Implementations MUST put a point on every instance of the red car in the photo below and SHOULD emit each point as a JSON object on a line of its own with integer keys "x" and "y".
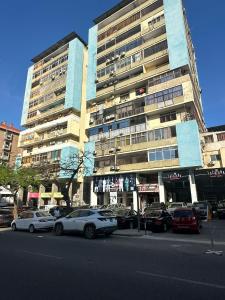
{"x": 186, "y": 219}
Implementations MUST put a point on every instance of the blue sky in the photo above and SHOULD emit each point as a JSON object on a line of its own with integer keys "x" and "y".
{"x": 29, "y": 27}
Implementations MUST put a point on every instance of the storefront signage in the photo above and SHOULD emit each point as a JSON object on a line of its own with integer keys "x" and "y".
{"x": 33, "y": 195}
{"x": 212, "y": 173}
{"x": 46, "y": 195}
{"x": 148, "y": 188}
{"x": 115, "y": 183}
{"x": 113, "y": 197}
{"x": 57, "y": 195}
{"x": 175, "y": 176}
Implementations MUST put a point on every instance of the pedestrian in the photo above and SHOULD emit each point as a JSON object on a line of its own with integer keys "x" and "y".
{"x": 57, "y": 213}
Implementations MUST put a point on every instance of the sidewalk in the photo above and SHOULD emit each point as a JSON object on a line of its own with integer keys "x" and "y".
{"x": 212, "y": 230}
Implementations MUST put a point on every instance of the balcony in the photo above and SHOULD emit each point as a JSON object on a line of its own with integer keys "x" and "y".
{"x": 50, "y": 112}
{"x": 153, "y": 108}
{"x": 133, "y": 81}
{"x": 50, "y": 101}
{"x": 141, "y": 146}
{"x": 6, "y": 147}
{"x": 140, "y": 167}
{"x": 8, "y": 136}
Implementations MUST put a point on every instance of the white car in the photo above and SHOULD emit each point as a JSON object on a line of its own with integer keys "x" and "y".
{"x": 174, "y": 205}
{"x": 87, "y": 221}
{"x": 33, "y": 220}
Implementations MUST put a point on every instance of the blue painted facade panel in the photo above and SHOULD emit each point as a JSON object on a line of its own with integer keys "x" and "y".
{"x": 68, "y": 156}
{"x": 27, "y": 96}
{"x": 89, "y": 161}
{"x": 92, "y": 65}
{"x": 74, "y": 78}
{"x": 176, "y": 36}
{"x": 189, "y": 147}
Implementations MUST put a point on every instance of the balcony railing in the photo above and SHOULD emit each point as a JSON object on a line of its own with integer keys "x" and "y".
{"x": 119, "y": 132}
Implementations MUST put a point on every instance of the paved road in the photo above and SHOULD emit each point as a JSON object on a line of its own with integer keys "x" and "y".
{"x": 42, "y": 266}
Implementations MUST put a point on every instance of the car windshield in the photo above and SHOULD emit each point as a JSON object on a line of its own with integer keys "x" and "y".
{"x": 154, "y": 213}
{"x": 122, "y": 212}
{"x": 221, "y": 205}
{"x": 183, "y": 213}
{"x": 174, "y": 205}
{"x": 106, "y": 213}
{"x": 42, "y": 214}
{"x": 200, "y": 205}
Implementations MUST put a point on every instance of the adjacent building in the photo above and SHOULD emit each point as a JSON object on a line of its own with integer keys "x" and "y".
{"x": 53, "y": 110}
{"x": 9, "y": 150}
{"x": 144, "y": 104}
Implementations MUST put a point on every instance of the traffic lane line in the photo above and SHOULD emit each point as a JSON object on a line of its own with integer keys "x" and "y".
{"x": 184, "y": 280}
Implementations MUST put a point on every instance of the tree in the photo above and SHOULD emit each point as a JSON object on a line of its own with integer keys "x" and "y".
{"x": 13, "y": 180}
{"x": 71, "y": 168}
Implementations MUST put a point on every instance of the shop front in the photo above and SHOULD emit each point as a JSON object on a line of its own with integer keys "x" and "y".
{"x": 115, "y": 189}
{"x": 33, "y": 199}
{"x": 210, "y": 184}
{"x": 177, "y": 186}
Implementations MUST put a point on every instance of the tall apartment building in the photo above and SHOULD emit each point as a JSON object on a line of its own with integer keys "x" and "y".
{"x": 54, "y": 103}
{"x": 9, "y": 150}
{"x": 144, "y": 101}
{"x": 210, "y": 180}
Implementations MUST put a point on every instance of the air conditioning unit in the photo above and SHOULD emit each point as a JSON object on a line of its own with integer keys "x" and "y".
{"x": 112, "y": 97}
{"x": 95, "y": 170}
{"x": 112, "y": 58}
{"x": 107, "y": 61}
{"x": 117, "y": 56}
{"x": 211, "y": 163}
{"x": 97, "y": 80}
{"x": 111, "y": 150}
{"x": 123, "y": 54}
{"x": 91, "y": 121}
{"x": 112, "y": 168}
{"x": 117, "y": 168}
{"x": 94, "y": 153}
{"x": 118, "y": 148}
{"x": 112, "y": 73}
{"x": 53, "y": 77}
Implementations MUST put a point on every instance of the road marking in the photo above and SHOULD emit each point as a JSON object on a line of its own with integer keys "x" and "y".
{"x": 217, "y": 286}
{"x": 169, "y": 239}
{"x": 42, "y": 254}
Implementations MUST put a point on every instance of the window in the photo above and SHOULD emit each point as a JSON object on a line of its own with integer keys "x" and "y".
{"x": 221, "y": 137}
{"x": 74, "y": 214}
{"x": 164, "y": 96}
{"x": 171, "y": 116}
{"x": 215, "y": 157}
{"x": 165, "y": 77}
{"x": 85, "y": 213}
{"x": 119, "y": 26}
{"x": 156, "y": 48}
{"x": 163, "y": 154}
{"x": 209, "y": 139}
{"x": 151, "y": 7}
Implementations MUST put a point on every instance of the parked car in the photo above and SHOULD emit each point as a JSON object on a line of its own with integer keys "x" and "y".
{"x": 126, "y": 218}
{"x": 186, "y": 219}
{"x": 203, "y": 208}
{"x": 6, "y": 217}
{"x": 156, "y": 205}
{"x": 156, "y": 220}
{"x": 174, "y": 205}
{"x": 221, "y": 210}
{"x": 33, "y": 220}
{"x": 90, "y": 222}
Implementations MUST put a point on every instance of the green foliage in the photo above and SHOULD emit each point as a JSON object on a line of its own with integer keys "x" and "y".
{"x": 16, "y": 179}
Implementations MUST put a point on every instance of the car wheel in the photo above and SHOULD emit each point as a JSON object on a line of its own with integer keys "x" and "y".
{"x": 59, "y": 229}
{"x": 14, "y": 227}
{"x": 164, "y": 227}
{"x": 31, "y": 228}
{"x": 89, "y": 232}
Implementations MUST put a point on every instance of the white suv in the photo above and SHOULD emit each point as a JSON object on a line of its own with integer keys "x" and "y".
{"x": 87, "y": 221}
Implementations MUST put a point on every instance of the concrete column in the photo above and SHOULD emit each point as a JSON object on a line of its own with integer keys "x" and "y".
{"x": 41, "y": 190}
{"x": 194, "y": 195}
{"x": 81, "y": 194}
{"x": 162, "y": 193}
{"x": 94, "y": 198}
{"x": 54, "y": 190}
{"x": 135, "y": 200}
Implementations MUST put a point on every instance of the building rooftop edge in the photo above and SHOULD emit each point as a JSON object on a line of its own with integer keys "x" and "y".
{"x": 71, "y": 36}
{"x": 10, "y": 127}
{"x": 216, "y": 128}
{"x": 111, "y": 11}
